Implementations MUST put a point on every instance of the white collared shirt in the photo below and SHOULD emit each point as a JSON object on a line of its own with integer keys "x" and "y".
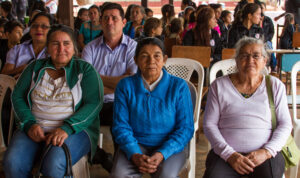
{"x": 152, "y": 86}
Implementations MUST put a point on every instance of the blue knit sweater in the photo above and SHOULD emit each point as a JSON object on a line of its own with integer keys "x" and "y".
{"x": 162, "y": 119}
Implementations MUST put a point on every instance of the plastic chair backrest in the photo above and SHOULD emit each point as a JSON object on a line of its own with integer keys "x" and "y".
{"x": 288, "y": 60}
{"x": 198, "y": 53}
{"x": 294, "y": 72}
{"x": 183, "y": 68}
{"x": 296, "y": 40}
{"x": 228, "y": 53}
{"x": 227, "y": 67}
{"x": 5, "y": 83}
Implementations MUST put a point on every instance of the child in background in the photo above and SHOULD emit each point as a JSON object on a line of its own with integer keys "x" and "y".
{"x": 149, "y": 12}
{"x": 173, "y": 35}
{"x": 152, "y": 28}
{"x": 226, "y": 17}
{"x": 286, "y": 37}
{"x": 82, "y": 16}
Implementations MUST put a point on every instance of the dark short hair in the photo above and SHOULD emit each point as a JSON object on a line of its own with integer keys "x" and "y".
{"x": 3, "y": 21}
{"x": 151, "y": 23}
{"x": 110, "y": 6}
{"x": 147, "y": 10}
{"x": 224, "y": 14}
{"x": 11, "y": 25}
{"x": 44, "y": 14}
{"x": 149, "y": 41}
{"x": 168, "y": 8}
{"x": 175, "y": 25}
{"x": 250, "y": 8}
{"x": 95, "y": 7}
{"x": 215, "y": 6}
{"x": 63, "y": 28}
{"x": 6, "y": 6}
{"x": 81, "y": 11}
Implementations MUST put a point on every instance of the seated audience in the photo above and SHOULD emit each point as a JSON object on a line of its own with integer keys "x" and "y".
{"x": 153, "y": 117}
{"x": 2, "y": 24}
{"x": 14, "y": 32}
{"x": 149, "y": 12}
{"x": 21, "y": 55}
{"x": 112, "y": 56}
{"x": 128, "y": 12}
{"x": 152, "y": 28}
{"x": 82, "y": 16}
{"x": 168, "y": 13}
{"x": 246, "y": 24}
{"x": 242, "y": 3}
{"x": 204, "y": 35}
{"x": 173, "y": 35}
{"x": 184, "y": 4}
{"x": 238, "y": 122}
{"x": 91, "y": 29}
{"x": 226, "y": 17}
{"x": 218, "y": 10}
{"x": 56, "y": 100}
{"x": 188, "y": 11}
{"x": 286, "y": 37}
{"x": 267, "y": 25}
{"x": 136, "y": 19}
{"x": 6, "y": 10}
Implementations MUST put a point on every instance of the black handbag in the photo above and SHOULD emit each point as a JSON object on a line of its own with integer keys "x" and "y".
{"x": 68, "y": 173}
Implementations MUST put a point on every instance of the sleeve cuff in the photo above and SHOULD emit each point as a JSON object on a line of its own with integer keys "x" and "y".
{"x": 272, "y": 152}
{"x": 165, "y": 153}
{"x": 131, "y": 149}
{"x": 67, "y": 128}
{"x": 28, "y": 125}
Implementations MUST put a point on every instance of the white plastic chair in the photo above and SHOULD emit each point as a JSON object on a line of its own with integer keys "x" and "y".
{"x": 183, "y": 68}
{"x": 227, "y": 67}
{"x": 296, "y": 121}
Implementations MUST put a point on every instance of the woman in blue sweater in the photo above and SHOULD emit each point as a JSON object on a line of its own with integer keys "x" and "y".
{"x": 153, "y": 117}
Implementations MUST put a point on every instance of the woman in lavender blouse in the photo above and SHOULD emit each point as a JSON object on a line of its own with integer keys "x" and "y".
{"x": 238, "y": 123}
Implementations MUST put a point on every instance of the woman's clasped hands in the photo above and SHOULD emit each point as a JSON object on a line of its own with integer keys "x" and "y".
{"x": 246, "y": 164}
{"x": 147, "y": 164}
{"x": 55, "y": 137}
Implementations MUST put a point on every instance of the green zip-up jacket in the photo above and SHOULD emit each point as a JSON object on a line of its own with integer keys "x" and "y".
{"x": 87, "y": 92}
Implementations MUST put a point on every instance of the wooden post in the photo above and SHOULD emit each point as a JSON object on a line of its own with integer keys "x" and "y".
{"x": 65, "y": 13}
{"x": 145, "y": 3}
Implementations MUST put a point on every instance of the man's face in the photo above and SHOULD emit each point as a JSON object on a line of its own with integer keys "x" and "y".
{"x": 112, "y": 23}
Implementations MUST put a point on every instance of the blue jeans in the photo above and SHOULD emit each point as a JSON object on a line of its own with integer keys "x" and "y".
{"x": 273, "y": 61}
{"x": 22, "y": 153}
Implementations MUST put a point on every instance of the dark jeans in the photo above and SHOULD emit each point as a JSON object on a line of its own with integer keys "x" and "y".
{"x": 216, "y": 167}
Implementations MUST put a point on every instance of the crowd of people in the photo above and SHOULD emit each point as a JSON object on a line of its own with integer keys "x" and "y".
{"x": 109, "y": 71}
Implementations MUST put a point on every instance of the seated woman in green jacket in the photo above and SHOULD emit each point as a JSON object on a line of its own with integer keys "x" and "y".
{"x": 56, "y": 100}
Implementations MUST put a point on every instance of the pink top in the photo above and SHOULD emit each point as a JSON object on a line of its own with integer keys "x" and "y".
{"x": 217, "y": 28}
{"x": 233, "y": 123}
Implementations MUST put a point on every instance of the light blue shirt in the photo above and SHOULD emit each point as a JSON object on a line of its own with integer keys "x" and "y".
{"x": 110, "y": 62}
{"x": 23, "y": 54}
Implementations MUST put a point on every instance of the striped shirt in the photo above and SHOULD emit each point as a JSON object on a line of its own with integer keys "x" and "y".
{"x": 52, "y": 102}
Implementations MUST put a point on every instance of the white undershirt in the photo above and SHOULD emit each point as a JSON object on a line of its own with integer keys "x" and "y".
{"x": 154, "y": 84}
{"x": 52, "y": 102}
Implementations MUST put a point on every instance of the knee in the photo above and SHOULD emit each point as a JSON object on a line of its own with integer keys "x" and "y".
{"x": 13, "y": 165}
{"x": 166, "y": 173}
{"x": 54, "y": 164}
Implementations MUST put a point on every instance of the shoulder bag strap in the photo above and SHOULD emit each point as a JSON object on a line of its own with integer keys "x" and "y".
{"x": 271, "y": 101}
{"x": 69, "y": 172}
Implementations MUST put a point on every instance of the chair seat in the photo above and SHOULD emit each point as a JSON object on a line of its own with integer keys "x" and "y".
{"x": 81, "y": 168}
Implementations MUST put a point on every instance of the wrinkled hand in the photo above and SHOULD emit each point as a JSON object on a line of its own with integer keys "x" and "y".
{"x": 240, "y": 163}
{"x": 259, "y": 156}
{"x": 36, "y": 133}
{"x": 56, "y": 137}
{"x": 141, "y": 161}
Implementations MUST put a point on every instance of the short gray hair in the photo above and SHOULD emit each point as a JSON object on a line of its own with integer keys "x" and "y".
{"x": 249, "y": 41}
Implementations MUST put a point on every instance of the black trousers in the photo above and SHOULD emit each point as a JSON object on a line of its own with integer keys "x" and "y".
{"x": 216, "y": 167}
{"x": 106, "y": 114}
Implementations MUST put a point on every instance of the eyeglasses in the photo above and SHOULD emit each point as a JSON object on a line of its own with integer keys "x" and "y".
{"x": 255, "y": 56}
{"x": 43, "y": 26}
